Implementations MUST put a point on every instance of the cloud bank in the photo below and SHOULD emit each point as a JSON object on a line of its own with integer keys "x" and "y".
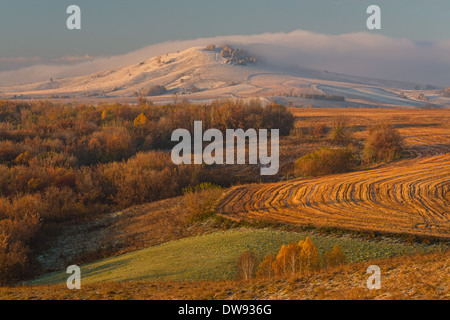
{"x": 363, "y": 54}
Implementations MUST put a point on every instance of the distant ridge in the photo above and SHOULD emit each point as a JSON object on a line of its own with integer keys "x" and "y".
{"x": 204, "y": 74}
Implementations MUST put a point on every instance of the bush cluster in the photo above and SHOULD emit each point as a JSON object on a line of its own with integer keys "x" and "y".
{"x": 325, "y": 161}
{"x": 384, "y": 143}
{"x": 65, "y": 162}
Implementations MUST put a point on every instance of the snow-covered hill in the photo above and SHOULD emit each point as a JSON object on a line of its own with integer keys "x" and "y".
{"x": 201, "y": 75}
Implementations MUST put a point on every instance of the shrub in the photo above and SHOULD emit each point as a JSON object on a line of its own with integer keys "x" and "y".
{"x": 9, "y": 151}
{"x": 340, "y": 133}
{"x": 14, "y": 261}
{"x": 325, "y": 161}
{"x": 199, "y": 200}
{"x": 136, "y": 185}
{"x": 15, "y": 235}
{"x": 60, "y": 203}
{"x": 277, "y": 116}
{"x": 4, "y": 179}
{"x": 154, "y": 91}
{"x": 265, "y": 268}
{"x": 111, "y": 144}
{"x": 23, "y": 158}
{"x": 384, "y": 143}
{"x": 318, "y": 130}
{"x": 334, "y": 257}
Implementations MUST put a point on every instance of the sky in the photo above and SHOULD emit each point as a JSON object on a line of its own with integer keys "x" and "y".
{"x": 34, "y": 33}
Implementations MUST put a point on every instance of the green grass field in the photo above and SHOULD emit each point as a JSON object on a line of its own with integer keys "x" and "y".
{"x": 214, "y": 256}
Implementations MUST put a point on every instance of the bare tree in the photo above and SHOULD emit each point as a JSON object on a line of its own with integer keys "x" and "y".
{"x": 246, "y": 265}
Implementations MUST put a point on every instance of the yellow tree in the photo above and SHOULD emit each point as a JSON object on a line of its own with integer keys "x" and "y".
{"x": 293, "y": 258}
{"x": 309, "y": 257}
{"x": 280, "y": 263}
{"x": 107, "y": 115}
{"x": 265, "y": 268}
{"x": 140, "y": 121}
{"x": 301, "y": 243}
{"x": 335, "y": 257}
{"x": 287, "y": 261}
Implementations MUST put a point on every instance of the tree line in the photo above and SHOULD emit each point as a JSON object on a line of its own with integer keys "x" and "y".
{"x": 292, "y": 259}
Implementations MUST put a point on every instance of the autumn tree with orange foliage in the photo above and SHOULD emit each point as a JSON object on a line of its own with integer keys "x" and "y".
{"x": 140, "y": 121}
{"x": 280, "y": 263}
{"x": 293, "y": 255}
{"x": 334, "y": 257}
{"x": 309, "y": 257}
{"x": 287, "y": 261}
{"x": 265, "y": 268}
{"x": 294, "y": 258}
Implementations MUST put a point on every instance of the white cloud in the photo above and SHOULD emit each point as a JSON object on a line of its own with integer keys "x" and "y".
{"x": 364, "y": 54}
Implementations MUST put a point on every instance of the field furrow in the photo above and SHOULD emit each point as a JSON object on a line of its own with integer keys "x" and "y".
{"x": 411, "y": 196}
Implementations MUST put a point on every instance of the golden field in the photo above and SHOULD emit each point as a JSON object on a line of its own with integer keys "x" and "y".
{"x": 410, "y": 196}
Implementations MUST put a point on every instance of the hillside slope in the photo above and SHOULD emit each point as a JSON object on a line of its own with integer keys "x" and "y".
{"x": 214, "y": 256}
{"x": 410, "y": 277}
